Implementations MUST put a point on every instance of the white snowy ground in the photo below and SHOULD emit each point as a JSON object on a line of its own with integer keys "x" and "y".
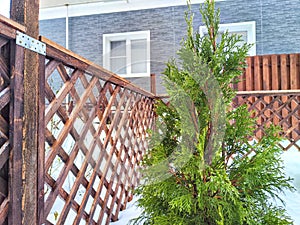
{"x": 292, "y": 165}
{"x": 132, "y": 211}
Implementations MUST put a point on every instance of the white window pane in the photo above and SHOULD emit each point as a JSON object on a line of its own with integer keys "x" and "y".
{"x": 118, "y": 65}
{"x": 139, "y": 56}
{"x": 117, "y": 48}
{"x": 219, "y": 37}
{"x": 126, "y": 53}
{"x": 243, "y": 35}
{"x": 245, "y": 29}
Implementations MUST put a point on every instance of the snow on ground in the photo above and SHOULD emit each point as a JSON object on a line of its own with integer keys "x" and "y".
{"x": 131, "y": 212}
{"x": 292, "y": 164}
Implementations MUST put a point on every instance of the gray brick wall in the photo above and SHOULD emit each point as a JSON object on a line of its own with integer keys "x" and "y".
{"x": 277, "y": 29}
{"x": 55, "y": 30}
{"x": 277, "y": 22}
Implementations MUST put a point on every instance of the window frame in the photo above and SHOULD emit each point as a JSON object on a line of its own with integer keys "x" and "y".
{"x": 249, "y": 26}
{"x": 126, "y": 36}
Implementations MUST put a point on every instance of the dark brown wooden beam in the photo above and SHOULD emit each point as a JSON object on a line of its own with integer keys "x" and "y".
{"x": 26, "y": 12}
{"x": 153, "y": 83}
{"x": 15, "y": 135}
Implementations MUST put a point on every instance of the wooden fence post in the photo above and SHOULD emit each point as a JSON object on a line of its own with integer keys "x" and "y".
{"x": 26, "y": 12}
{"x": 41, "y": 140}
{"x": 153, "y": 83}
{"x": 15, "y": 136}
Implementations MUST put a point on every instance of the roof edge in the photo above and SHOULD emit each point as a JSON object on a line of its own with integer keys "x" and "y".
{"x": 93, "y": 8}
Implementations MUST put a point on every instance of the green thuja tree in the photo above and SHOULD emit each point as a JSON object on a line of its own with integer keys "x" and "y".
{"x": 201, "y": 168}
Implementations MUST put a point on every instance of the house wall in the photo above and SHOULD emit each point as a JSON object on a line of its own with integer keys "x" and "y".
{"x": 277, "y": 29}
{"x": 54, "y": 29}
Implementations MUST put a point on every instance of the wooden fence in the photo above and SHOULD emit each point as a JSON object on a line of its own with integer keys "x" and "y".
{"x": 5, "y": 82}
{"x": 96, "y": 134}
{"x": 270, "y": 86}
{"x": 281, "y": 108}
{"x": 11, "y": 91}
{"x": 93, "y": 136}
{"x": 271, "y": 72}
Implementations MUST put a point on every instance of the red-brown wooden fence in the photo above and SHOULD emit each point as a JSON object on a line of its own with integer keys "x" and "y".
{"x": 271, "y": 72}
{"x": 280, "y": 108}
{"x": 94, "y": 135}
{"x": 270, "y": 86}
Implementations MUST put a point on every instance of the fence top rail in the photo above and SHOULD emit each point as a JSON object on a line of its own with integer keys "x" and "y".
{"x": 270, "y": 55}
{"x": 12, "y": 23}
{"x": 54, "y": 50}
{"x": 254, "y": 93}
{"x": 269, "y": 92}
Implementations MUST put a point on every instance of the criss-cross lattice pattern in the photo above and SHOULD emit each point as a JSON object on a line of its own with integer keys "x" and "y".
{"x": 279, "y": 108}
{"x": 96, "y": 134}
{"x": 4, "y": 126}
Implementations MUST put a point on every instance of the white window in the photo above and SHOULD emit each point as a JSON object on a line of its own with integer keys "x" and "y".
{"x": 127, "y": 54}
{"x": 246, "y": 29}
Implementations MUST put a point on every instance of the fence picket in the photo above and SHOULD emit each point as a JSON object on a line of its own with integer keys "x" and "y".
{"x": 249, "y": 75}
{"x": 294, "y": 77}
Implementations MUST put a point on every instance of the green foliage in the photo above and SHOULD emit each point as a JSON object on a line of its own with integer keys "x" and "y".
{"x": 229, "y": 181}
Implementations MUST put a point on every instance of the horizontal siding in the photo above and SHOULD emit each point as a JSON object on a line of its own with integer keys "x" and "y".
{"x": 167, "y": 27}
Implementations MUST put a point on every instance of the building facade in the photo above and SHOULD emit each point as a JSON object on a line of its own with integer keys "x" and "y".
{"x": 135, "y": 38}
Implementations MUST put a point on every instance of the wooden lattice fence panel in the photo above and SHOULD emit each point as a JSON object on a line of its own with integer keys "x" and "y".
{"x": 96, "y": 134}
{"x": 281, "y": 108}
{"x": 4, "y": 126}
{"x": 11, "y": 102}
